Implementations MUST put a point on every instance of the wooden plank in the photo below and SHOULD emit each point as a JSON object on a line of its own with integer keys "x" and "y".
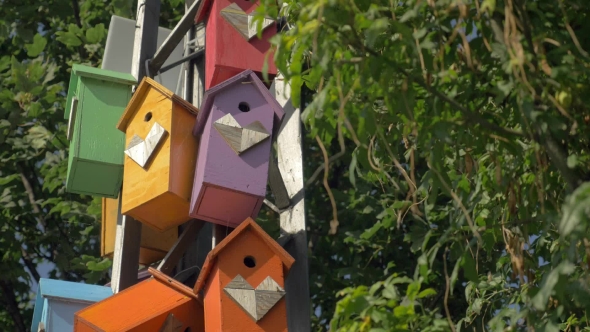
{"x": 128, "y": 237}
{"x": 290, "y": 163}
{"x": 277, "y": 185}
{"x": 177, "y": 34}
{"x": 187, "y": 237}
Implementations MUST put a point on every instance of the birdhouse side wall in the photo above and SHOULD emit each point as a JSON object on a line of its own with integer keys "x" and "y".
{"x": 212, "y": 301}
{"x": 231, "y": 263}
{"x": 247, "y": 172}
{"x": 143, "y": 185}
{"x": 231, "y": 52}
{"x": 143, "y": 307}
{"x": 184, "y": 149}
{"x": 100, "y": 106}
{"x": 61, "y": 315}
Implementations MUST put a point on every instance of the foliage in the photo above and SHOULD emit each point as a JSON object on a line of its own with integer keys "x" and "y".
{"x": 42, "y": 226}
{"x": 454, "y": 134}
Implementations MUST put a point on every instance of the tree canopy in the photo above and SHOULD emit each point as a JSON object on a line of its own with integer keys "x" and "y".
{"x": 445, "y": 153}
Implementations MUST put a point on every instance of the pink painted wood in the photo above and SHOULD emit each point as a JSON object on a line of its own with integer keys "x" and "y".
{"x": 228, "y": 188}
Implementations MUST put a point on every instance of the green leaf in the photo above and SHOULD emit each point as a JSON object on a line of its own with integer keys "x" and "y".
{"x": 68, "y": 38}
{"x": 38, "y": 45}
{"x": 96, "y": 34}
{"x": 576, "y": 211}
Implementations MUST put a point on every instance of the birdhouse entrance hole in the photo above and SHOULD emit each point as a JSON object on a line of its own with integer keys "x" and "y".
{"x": 249, "y": 261}
{"x": 148, "y": 117}
{"x": 244, "y": 107}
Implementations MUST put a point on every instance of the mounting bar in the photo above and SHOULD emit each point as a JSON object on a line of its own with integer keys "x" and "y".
{"x": 184, "y": 59}
{"x": 179, "y": 31}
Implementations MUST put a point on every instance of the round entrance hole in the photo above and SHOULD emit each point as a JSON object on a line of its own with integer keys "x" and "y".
{"x": 244, "y": 107}
{"x": 249, "y": 261}
{"x": 147, "y": 117}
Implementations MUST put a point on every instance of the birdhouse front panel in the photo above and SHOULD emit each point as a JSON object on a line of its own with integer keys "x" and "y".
{"x": 96, "y": 100}
{"x": 243, "y": 282}
{"x": 143, "y": 307}
{"x": 160, "y": 157}
{"x": 57, "y": 301}
{"x": 232, "y": 42}
{"x": 235, "y": 147}
{"x": 154, "y": 245}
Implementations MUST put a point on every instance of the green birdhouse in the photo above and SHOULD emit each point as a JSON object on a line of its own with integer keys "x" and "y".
{"x": 96, "y": 100}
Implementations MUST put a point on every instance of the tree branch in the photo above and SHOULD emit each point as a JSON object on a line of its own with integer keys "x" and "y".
{"x": 31, "y": 194}
{"x": 76, "y": 9}
{"x": 12, "y": 305}
{"x": 30, "y": 265}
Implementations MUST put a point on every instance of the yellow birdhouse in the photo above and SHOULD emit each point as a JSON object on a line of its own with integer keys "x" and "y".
{"x": 160, "y": 156}
{"x": 154, "y": 245}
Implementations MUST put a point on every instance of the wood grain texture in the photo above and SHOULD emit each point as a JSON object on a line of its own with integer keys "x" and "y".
{"x": 239, "y": 138}
{"x": 293, "y": 224}
{"x": 159, "y": 194}
{"x": 277, "y": 185}
{"x": 225, "y": 262}
{"x": 142, "y": 307}
{"x": 243, "y": 22}
{"x": 256, "y": 302}
{"x": 228, "y": 52}
{"x": 154, "y": 245}
{"x": 140, "y": 150}
{"x": 189, "y": 234}
{"x": 72, "y": 118}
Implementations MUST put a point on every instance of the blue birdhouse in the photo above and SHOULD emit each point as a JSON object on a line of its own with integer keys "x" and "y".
{"x": 58, "y": 300}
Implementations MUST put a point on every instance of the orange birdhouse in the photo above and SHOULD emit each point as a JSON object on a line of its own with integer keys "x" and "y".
{"x": 154, "y": 245}
{"x": 150, "y": 306}
{"x": 243, "y": 282}
{"x": 160, "y": 156}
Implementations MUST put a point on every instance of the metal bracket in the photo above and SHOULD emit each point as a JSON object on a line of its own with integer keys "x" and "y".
{"x": 189, "y": 57}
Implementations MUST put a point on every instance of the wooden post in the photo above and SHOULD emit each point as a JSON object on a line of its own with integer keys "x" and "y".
{"x": 128, "y": 237}
{"x": 290, "y": 162}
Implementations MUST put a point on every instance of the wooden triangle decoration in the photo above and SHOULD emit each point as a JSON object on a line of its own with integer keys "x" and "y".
{"x": 243, "y": 22}
{"x": 255, "y": 302}
{"x": 239, "y": 138}
{"x": 140, "y": 150}
{"x": 172, "y": 324}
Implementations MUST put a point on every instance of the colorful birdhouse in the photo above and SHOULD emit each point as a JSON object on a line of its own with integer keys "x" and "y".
{"x": 149, "y": 306}
{"x": 96, "y": 99}
{"x": 243, "y": 282}
{"x": 154, "y": 245}
{"x": 58, "y": 300}
{"x": 160, "y": 156}
{"x": 232, "y": 42}
{"x": 235, "y": 127}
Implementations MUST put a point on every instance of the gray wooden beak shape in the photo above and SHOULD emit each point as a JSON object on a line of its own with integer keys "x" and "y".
{"x": 140, "y": 150}
{"x": 243, "y": 22}
{"x": 240, "y": 138}
{"x": 256, "y": 302}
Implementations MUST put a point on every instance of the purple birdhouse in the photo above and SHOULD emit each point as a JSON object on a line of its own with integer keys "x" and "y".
{"x": 236, "y": 125}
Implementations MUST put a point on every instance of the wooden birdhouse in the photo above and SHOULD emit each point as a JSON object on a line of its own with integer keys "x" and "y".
{"x": 154, "y": 245}
{"x": 58, "y": 300}
{"x": 149, "y": 306}
{"x": 243, "y": 282}
{"x": 96, "y": 99}
{"x": 235, "y": 128}
{"x": 160, "y": 156}
{"x": 232, "y": 42}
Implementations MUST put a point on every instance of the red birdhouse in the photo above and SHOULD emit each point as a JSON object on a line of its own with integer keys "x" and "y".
{"x": 232, "y": 42}
{"x": 243, "y": 281}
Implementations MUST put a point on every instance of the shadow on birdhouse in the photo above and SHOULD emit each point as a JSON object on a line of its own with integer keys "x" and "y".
{"x": 96, "y": 99}
{"x": 232, "y": 41}
{"x": 235, "y": 127}
{"x": 156, "y": 304}
{"x": 160, "y": 156}
{"x": 243, "y": 281}
{"x": 58, "y": 300}
{"x": 154, "y": 245}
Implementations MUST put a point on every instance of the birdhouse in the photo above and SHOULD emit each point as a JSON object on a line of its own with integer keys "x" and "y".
{"x": 243, "y": 281}
{"x": 58, "y": 300}
{"x": 235, "y": 128}
{"x": 153, "y": 246}
{"x": 96, "y": 99}
{"x": 160, "y": 156}
{"x": 232, "y": 42}
{"x": 152, "y": 305}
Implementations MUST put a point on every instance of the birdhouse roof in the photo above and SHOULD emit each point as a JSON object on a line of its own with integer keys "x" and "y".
{"x": 103, "y": 74}
{"x": 203, "y": 10}
{"x": 136, "y": 101}
{"x": 250, "y": 225}
{"x": 245, "y": 76}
